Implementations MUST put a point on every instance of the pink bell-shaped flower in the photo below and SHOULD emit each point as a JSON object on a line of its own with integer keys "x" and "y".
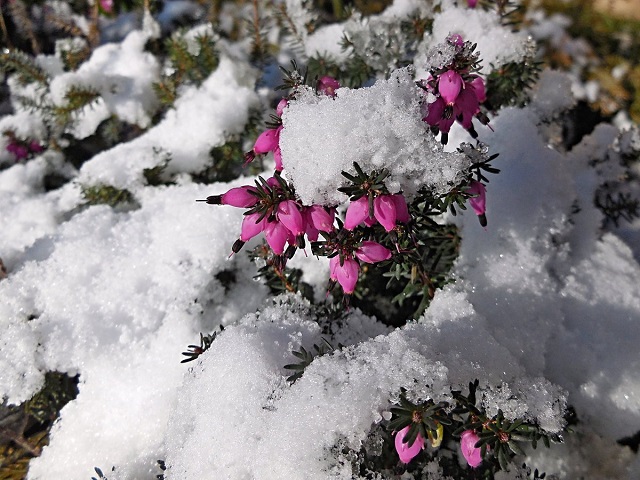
{"x": 277, "y": 235}
{"x": 449, "y": 85}
{"x": 321, "y": 219}
{"x": 346, "y": 274}
{"x": 372, "y": 252}
{"x": 402, "y": 210}
{"x": 289, "y": 215}
{"x": 267, "y": 141}
{"x": 478, "y": 87}
{"x": 472, "y": 3}
{"x": 236, "y": 197}
{"x": 328, "y": 85}
{"x": 282, "y": 104}
{"x": 471, "y": 454}
{"x": 20, "y": 151}
{"x": 357, "y": 212}
{"x": 440, "y": 115}
{"x": 251, "y": 226}
{"x": 406, "y": 452}
{"x": 479, "y": 202}
{"x": 384, "y": 209}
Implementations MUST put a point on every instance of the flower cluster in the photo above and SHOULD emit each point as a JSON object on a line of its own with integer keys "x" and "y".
{"x": 23, "y": 149}
{"x": 459, "y": 91}
{"x": 482, "y": 438}
{"x": 376, "y": 221}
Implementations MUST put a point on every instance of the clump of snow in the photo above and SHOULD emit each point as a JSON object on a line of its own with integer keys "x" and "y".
{"x": 336, "y": 402}
{"x": 377, "y": 127}
{"x": 122, "y": 73}
{"x": 552, "y": 94}
{"x": 222, "y": 102}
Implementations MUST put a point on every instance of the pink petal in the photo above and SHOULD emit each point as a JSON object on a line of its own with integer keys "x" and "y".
{"x": 357, "y": 212}
{"x": 267, "y": 141}
{"x": 478, "y": 203}
{"x": 277, "y": 156}
{"x": 347, "y": 275}
{"x": 471, "y": 454}
{"x": 384, "y": 209}
{"x": 282, "y": 104}
{"x": 467, "y": 105}
{"x": 276, "y": 234}
{"x": 328, "y": 85}
{"x": 406, "y": 452}
{"x": 372, "y": 252}
{"x": 472, "y": 3}
{"x": 290, "y": 216}
{"x": 251, "y": 226}
{"x": 478, "y": 86}
{"x": 402, "y": 210}
{"x": 321, "y": 219}
{"x": 334, "y": 262}
{"x": 449, "y": 85}
{"x": 240, "y": 197}
{"x": 435, "y": 113}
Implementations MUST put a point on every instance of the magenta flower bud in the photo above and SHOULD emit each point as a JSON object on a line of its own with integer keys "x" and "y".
{"x": 251, "y": 226}
{"x": 402, "y": 210}
{"x": 455, "y": 40}
{"x": 438, "y": 116}
{"x": 282, "y": 104}
{"x": 239, "y": 197}
{"x": 277, "y": 156}
{"x": 372, "y": 252}
{"x": 472, "y": 3}
{"x": 289, "y": 215}
{"x": 35, "y": 147}
{"x": 267, "y": 141}
{"x": 328, "y": 85}
{"x": 346, "y": 274}
{"x": 449, "y": 85}
{"x": 467, "y": 105}
{"x": 384, "y": 209}
{"x": 321, "y": 219}
{"x": 478, "y": 87}
{"x": 406, "y": 452}
{"x": 357, "y": 212}
{"x": 20, "y": 151}
{"x": 471, "y": 454}
{"x": 106, "y": 5}
{"x": 277, "y": 235}
{"x": 478, "y": 203}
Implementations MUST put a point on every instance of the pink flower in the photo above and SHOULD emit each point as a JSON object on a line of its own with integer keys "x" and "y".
{"x": 471, "y": 454}
{"x": 289, "y": 215}
{"x": 106, "y": 5}
{"x": 327, "y": 85}
{"x": 472, "y": 3}
{"x": 449, "y": 86}
{"x": 372, "y": 252}
{"x": 320, "y": 218}
{"x": 20, "y": 151}
{"x": 440, "y": 115}
{"x": 268, "y": 141}
{"x": 402, "y": 210}
{"x": 478, "y": 203}
{"x": 478, "y": 86}
{"x": 384, "y": 209}
{"x": 282, "y": 104}
{"x": 35, "y": 147}
{"x": 345, "y": 273}
{"x": 455, "y": 40}
{"x": 357, "y": 211}
{"x": 277, "y": 235}
{"x": 406, "y": 452}
{"x": 251, "y": 226}
{"x": 236, "y": 197}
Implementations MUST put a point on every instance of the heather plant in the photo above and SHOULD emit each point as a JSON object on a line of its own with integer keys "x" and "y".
{"x": 404, "y": 266}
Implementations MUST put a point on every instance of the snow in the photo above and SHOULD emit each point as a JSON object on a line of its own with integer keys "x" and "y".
{"x": 377, "y": 127}
{"x": 544, "y": 307}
